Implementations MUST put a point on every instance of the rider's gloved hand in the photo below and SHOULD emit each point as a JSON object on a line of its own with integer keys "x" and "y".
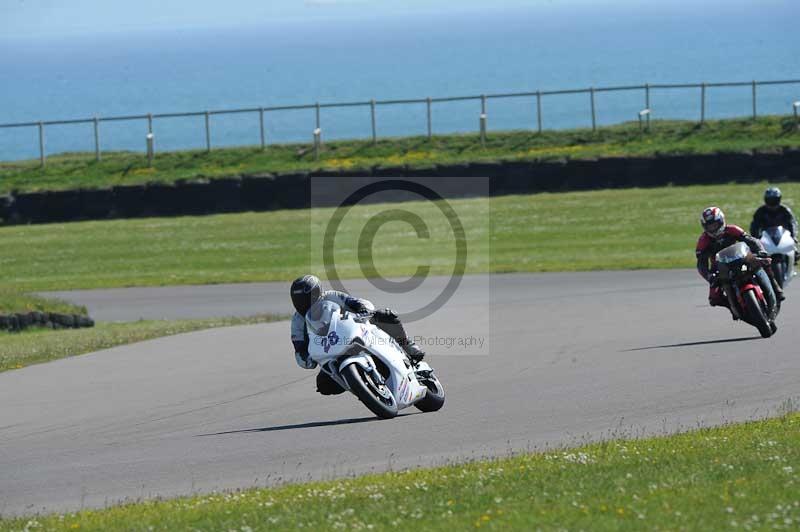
{"x": 304, "y": 360}
{"x": 764, "y": 258}
{"x": 358, "y": 306}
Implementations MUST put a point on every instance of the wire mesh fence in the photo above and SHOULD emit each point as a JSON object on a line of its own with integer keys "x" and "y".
{"x": 584, "y": 108}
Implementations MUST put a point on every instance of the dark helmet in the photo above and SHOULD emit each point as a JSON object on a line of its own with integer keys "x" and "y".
{"x": 772, "y": 197}
{"x": 305, "y": 292}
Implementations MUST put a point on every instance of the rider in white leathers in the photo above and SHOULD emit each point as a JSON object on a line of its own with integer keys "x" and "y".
{"x": 306, "y": 291}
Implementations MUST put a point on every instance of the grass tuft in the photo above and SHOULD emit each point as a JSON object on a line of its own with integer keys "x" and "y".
{"x": 14, "y": 302}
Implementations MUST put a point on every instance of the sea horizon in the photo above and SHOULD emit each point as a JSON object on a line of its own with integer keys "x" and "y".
{"x": 301, "y": 62}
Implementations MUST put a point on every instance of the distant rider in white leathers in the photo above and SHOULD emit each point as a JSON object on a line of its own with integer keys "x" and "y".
{"x": 306, "y": 291}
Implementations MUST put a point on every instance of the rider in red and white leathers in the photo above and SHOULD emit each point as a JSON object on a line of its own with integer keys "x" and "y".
{"x": 717, "y": 235}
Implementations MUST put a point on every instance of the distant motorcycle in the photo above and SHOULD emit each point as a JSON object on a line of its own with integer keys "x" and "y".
{"x": 365, "y": 360}
{"x": 778, "y": 242}
{"x": 737, "y": 268}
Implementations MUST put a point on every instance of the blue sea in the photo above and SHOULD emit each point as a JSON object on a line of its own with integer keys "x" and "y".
{"x": 542, "y": 47}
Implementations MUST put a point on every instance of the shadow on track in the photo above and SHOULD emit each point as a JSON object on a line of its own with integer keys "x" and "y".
{"x": 691, "y": 344}
{"x": 310, "y": 425}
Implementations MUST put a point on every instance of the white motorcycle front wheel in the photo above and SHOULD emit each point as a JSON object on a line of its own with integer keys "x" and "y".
{"x": 779, "y": 269}
{"x": 377, "y": 397}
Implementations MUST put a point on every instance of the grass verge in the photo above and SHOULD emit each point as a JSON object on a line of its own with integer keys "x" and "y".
{"x": 595, "y": 230}
{"x": 34, "y": 346}
{"x": 80, "y": 170}
{"x": 736, "y": 476}
{"x": 12, "y": 302}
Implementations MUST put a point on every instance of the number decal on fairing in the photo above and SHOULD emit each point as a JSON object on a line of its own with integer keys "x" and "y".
{"x": 405, "y": 389}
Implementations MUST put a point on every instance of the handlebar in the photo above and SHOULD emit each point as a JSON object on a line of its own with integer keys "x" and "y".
{"x": 357, "y": 315}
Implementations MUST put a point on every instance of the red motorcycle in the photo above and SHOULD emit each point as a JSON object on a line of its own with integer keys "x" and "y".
{"x": 738, "y": 269}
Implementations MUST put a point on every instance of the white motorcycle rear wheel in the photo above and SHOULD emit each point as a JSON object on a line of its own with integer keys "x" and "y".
{"x": 377, "y": 397}
{"x": 434, "y": 399}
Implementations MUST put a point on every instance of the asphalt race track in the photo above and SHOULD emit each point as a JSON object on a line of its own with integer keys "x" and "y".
{"x": 573, "y": 356}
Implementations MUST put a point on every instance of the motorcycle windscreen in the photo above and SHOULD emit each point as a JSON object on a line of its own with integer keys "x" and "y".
{"x": 737, "y": 251}
{"x": 775, "y": 234}
{"x": 320, "y": 315}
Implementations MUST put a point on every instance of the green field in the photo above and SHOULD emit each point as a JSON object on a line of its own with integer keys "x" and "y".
{"x": 596, "y": 230}
{"x": 744, "y": 476}
{"x": 80, "y": 170}
{"x": 34, "y": 346}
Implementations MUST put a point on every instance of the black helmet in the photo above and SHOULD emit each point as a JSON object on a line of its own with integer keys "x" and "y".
{"x": 305, "y": 292}
{"x": 772, "y": 196}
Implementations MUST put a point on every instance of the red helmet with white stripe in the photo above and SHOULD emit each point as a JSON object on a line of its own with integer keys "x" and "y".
{"x": 713, "y": 222}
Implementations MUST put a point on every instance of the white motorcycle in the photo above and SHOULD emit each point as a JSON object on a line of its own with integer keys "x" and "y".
{"x": 778, "y": 242}
{"x": 363, "y": 359}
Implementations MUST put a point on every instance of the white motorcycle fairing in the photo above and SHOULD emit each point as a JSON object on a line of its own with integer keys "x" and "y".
{"x": 338, "y": 338}
{"x": 779, "y": 241}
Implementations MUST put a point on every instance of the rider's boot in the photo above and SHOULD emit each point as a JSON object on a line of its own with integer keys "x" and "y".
{"x": 388, "y": 321}
{"x": 779, "y": 292}
{"x": 734, "y": 312}
{"x": 414, "y": 352}
{"x": 729, "y": 302}
{"x": 775, "y": 286}
{"x": 327, "y": 386}
{"x": 774, "y": 283}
